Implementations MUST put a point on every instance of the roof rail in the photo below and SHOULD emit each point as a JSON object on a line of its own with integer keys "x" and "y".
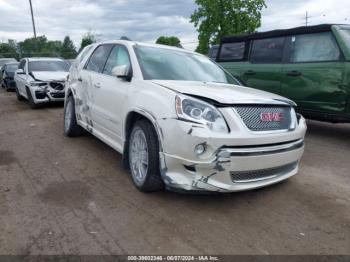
{"x": 277, "y": 33}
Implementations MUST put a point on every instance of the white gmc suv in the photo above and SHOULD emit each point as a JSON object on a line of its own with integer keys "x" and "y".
{"x": 41, "y": 80}
{"x": 180, "y": 121}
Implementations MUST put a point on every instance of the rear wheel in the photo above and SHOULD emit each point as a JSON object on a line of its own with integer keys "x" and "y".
{"x": 144, "y": 157}
{"x": 71, "y": 127}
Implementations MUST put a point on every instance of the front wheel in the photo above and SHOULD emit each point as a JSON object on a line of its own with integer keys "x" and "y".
{"x": 71, "y": 127}
{"x": 31, "y": 99}
{"x": 144, "y": 157}
{"x": 18, "y": 95}
{"x": 7, "y": 88}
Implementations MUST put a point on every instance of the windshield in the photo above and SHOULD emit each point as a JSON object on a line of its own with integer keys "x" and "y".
{"x": 167, "y": 64}
{"x": 48, "y": 65}
{"x": 11, "y": 67}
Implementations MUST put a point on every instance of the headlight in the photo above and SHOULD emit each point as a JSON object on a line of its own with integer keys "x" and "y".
{"x": 38, "y": 83}
{"x": 200, "y": 112}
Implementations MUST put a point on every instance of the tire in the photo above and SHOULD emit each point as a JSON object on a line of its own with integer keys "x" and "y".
{"x": 18, "y": 95}
{"x": 71, "y": 127}
{"x": 143, "y": 142}
{"x": 6, "y": 87}
{"x": 31, "y": 100}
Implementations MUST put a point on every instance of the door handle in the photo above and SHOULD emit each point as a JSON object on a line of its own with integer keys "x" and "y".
{"x": 294, "y": 73}
{"x": 250, "y": 73}
{"x": 97, "y": 85}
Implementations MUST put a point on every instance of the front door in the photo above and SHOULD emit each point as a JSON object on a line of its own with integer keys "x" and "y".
{"x": 313, "y": 78}
{"x": 110, "y": 94}
{"x": 21, "y": 79}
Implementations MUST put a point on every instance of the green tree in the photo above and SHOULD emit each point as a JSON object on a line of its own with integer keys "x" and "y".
{"x": 51, "y": 48}
{"x": 32, "y": 47}
{"x": 7, "y": 51}
{"x": 217, "y": 18}
{"x": 169, "y": 40}
{"x": 68, "y": 50}
{"x": 87, "y": 39}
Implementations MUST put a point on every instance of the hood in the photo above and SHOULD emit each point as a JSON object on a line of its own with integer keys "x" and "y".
{"x": 50, "y": 75}
{"x": 223, "y": 93}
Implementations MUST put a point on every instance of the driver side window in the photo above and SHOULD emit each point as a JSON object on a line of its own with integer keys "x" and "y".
{"x": 118, "y": 56}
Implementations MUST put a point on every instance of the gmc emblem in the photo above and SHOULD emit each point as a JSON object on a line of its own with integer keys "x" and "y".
{"x": 271, "y": 117}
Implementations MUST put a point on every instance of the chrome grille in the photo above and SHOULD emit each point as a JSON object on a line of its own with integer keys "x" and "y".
{"x": 57, "y": 85}
{"x": 256, "y": 175}
{"x": 251, "y": 116}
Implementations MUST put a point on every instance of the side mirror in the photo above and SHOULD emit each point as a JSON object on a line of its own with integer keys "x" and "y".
{"x": 122, "y": 71}
{"x": 20, "y": 72}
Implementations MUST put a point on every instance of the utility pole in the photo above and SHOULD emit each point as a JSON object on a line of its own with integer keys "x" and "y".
{"x": 31, "y": 11}
{"x": 307, "y": 18}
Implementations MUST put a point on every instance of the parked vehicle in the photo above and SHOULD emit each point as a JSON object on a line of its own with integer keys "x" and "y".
{"x": 213, "y": 52}
{"x": 41, "y": 80}
{"x": 7, "y": 76}
{"x": 309, "y": 65}
{"x": 6, "y": 60}
{"x": 179, "y": 120}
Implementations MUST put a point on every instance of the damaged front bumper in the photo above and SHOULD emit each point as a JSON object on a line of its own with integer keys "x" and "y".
{"x": 48, "y": 92}
{"x": 233, "y": 162}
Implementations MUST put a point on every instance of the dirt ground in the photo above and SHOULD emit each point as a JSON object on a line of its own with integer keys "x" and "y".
{"x": 72, "y": 196}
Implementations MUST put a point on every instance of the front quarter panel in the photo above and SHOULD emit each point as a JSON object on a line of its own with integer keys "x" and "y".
{"x": 157, "y": 101}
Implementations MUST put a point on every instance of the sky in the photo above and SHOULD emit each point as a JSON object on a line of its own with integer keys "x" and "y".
{"x": 146, "y": 20}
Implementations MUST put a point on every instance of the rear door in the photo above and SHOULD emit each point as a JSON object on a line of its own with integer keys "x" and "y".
{"x": 92, "y": 111}
{"x": 264, "y": 70}
{"x": 313, "y": 78}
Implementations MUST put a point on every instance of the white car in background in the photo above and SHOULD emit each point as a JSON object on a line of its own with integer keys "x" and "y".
{"x": 180, "y": 120}
{"x": 41, "y": 80}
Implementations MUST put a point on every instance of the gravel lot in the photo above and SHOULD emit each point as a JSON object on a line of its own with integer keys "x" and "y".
{"x": 72, "y": 196}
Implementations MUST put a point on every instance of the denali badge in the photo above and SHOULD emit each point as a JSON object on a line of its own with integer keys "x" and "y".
{"x": 271, "y": 117}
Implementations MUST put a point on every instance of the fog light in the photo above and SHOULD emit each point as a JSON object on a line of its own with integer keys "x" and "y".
{"x": 199, "y": 149}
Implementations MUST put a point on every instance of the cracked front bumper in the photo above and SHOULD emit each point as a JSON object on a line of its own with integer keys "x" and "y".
{"x": 233, "y": 162}
{"x": 47, "y": 95}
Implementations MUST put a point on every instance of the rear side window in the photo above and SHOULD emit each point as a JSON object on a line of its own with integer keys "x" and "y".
{"x": 232, "y": 51}
{"x": 314, "y": 48}
{"x": 98, "y": 58}
{"x": 269, "y": 50}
